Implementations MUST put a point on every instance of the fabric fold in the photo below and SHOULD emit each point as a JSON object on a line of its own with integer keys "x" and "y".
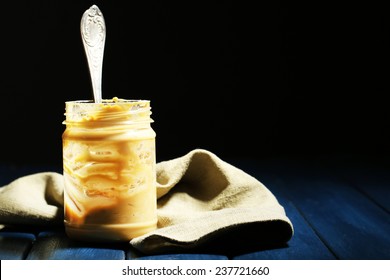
{"x": 200, "y": 196}
{"x": 35, "y": 199}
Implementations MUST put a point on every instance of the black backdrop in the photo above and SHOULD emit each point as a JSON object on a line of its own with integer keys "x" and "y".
{"x": 253, "y": 80}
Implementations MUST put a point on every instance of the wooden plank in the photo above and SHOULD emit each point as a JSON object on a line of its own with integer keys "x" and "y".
{"x": 184, "y": 257}
{"x": 372, "y": 182}
{"x": 305, "y": 244}
{"x": 346, "y": 220}
{"x": 132, "y": 254}
{"x": 54, "y": 245}
{"x": 15, "y": 245}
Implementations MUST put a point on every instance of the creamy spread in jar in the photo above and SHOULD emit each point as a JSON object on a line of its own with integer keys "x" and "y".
{"x": 109, "y": 170}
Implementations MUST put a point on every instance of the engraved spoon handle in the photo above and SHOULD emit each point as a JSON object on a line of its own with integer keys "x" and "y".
{"x": 93, "y": 34}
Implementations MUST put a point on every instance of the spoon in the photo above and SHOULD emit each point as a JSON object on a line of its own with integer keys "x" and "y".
{"x": 93, "y": 34}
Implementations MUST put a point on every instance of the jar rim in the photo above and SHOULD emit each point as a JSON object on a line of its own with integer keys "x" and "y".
{"x": 109, "y": 101}
{"x": 109, "y": 110}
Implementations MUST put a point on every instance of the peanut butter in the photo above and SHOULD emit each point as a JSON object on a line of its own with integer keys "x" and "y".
{"x": 109, "y": 170}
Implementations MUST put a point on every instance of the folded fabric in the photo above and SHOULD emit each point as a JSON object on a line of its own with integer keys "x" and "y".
{"x": 35, "y": 199}
{"x": 202, "y": 201}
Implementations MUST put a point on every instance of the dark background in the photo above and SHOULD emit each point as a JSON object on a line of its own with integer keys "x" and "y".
{"x": 258, "y": 80}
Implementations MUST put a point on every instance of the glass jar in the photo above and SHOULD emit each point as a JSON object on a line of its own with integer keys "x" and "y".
{"x": 109, "y": 168}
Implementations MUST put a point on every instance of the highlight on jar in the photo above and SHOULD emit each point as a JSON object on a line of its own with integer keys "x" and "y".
{"x": 109, "y": 163}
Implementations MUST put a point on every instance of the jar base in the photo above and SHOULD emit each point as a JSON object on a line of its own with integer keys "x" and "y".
{"x": 108, "y": 233}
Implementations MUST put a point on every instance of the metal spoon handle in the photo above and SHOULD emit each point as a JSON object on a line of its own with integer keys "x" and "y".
{"x": 93, "y": 33}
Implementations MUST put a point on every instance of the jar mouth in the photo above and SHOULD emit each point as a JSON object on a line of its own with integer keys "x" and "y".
{"x": 109, "y": 101}
{"x": 108, "y": 110}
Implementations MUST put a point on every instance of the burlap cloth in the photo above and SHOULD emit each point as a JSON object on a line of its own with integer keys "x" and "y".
{"x": 203, "y": 202}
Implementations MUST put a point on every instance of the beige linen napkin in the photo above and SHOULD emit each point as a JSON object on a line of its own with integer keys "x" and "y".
{"x": 35, "y": 199}
{"x": 202, "y": 201}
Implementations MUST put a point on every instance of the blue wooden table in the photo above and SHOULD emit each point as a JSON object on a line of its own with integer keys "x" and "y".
{"x": 339, "y": 209}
